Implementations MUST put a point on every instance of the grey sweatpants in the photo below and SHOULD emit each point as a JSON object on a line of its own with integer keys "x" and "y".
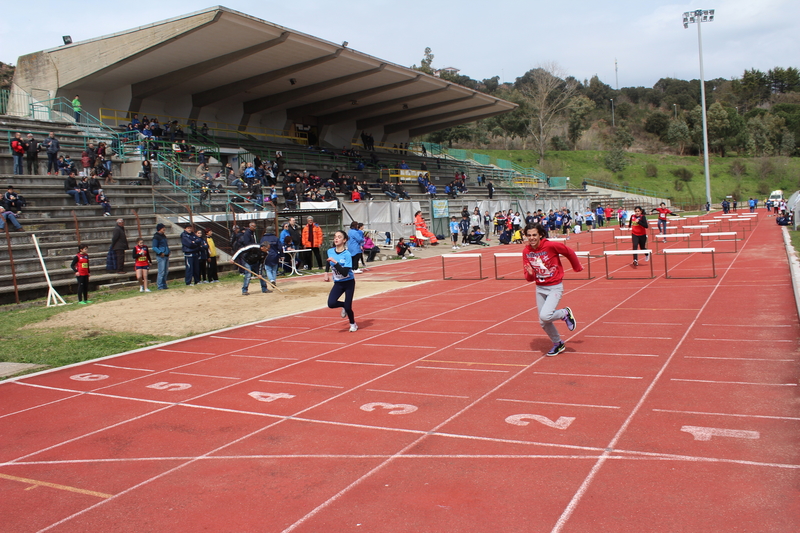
{"x": 547, "y": 300}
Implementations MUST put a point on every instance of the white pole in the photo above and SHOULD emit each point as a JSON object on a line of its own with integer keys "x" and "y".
{"x": 52, "y": 294}
{"x": 705, "y": 123}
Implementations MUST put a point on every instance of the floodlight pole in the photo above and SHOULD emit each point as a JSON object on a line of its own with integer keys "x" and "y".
{"x": 698, "y": 16}
{"x": 613, "y": 120}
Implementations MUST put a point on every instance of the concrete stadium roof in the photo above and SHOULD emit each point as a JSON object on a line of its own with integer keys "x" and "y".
{"x": 219, "y": 64}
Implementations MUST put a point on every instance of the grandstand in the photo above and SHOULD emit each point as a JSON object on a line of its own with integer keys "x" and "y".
{"x": 310, "y": 110}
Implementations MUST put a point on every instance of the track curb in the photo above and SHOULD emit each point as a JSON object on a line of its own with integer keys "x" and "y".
{"x": 794, "y": 267}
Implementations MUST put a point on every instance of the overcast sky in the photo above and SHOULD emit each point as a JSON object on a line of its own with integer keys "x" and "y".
{"x": 482, "y": 38}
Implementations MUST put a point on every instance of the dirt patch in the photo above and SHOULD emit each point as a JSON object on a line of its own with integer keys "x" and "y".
{"x": 181, "y": 312}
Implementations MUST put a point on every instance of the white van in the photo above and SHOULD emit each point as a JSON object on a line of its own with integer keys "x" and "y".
{"x": 776, "y": 196}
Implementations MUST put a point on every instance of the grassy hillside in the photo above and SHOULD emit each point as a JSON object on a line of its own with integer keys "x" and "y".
{"x": 741, "y": 177}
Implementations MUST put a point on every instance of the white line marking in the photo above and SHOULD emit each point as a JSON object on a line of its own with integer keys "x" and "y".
{"x": 265, "y": 357}
{"x": 401, "y": 346}
{"x": 736, "y": 382}
{"x": 559, "y": 403}
{"x": 463, "y": 369}
{"x": 298, "y": 383}
{"x": 418, "y": 393}
{"x": 353, "y": 363}
{"x": 203, "y": 375}
{"x": 738, "y": 358}
{"x": 586, "y": 375}
{"x": 624, "y": 337}
{"x": 315, "y": 342}
{"x": 705, "y": 434}
{"x": 125, "y": 367}
{"x": 437, "y": 332}
{"x": 645, "y": 323}
{"x": 234, "y": 338}
{"x": 749, "y": 326}
{"x": 619, "y": 354}
{"x": 744, "y": 340}
{"x": 284, "y": 327}
{"x": 495, "y": 349}
{"x": 183, "y": 351}
{"x": 770, "y": 417}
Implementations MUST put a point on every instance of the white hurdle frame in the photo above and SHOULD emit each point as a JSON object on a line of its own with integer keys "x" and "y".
{"x": 670, "y": 251}
{"x": 480, "y": 265}
{"x": 629, "y": 252}
{"x": 722, "y": 234}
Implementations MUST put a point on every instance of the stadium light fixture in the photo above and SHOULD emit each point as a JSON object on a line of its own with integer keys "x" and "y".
{"x": 698, "y": 17}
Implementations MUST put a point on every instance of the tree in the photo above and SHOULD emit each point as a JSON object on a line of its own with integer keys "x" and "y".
{"x": 579, "y": 110}
{"x": 548, "y": 97}
{"x": 678, "y": 135}
{"x": 752, "y": 89}
{"x": 425, "y": 64}
{"x": 657, "y": 123}
{"x": 718, "y": 124}
{"x": 784, "y": 80}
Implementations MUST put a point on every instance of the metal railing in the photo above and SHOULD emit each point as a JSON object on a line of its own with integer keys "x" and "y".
{"x": 210, "y": 130}
{"x": 135, "y": 145}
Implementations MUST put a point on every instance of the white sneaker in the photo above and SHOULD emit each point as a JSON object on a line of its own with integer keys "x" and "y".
{"x": 147, "y": 290}
{"x": 358, "y": 271}
{"x": 141, "y": 289}
{"x": 353, "y": 328}
{"x": 411, "y": 254}
{"x": 344, "y": 313}
{"x": 404, "y": 257}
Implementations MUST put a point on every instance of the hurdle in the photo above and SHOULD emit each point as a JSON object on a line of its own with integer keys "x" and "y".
{"x": 591, "y": 234}
{"x": 657, "y": 239}
{"x": 464, "y": 256}
{"x": 509, "y": 254}
{"x": 735, "y": 240}
{"x": 618, "y": 239}
{"x": 700, "y": 227}
{"x": 670, "y": 251}
{"x": 630, "y": 252}
{"x": 588, "y": 266}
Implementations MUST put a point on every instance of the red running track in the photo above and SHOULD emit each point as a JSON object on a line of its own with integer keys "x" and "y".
{"x": 674, "y": 408}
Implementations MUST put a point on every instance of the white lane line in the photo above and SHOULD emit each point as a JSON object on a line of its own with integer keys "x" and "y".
{"x": 618, "y": 354}
{"x": 744, "y": 340}
{"x": 353, "y": 363}
{"x": 587, "y": 375}
{"x": 298, "y": 383}
{"x": 265, "y": 357}
{"x": 282, "y": 327}
{"x": 462, "y": 369}
{"x": 124, "y": 367}
{"x": 419, "y": 393}
{"x": 315, "y": 342}
{"x": 496, "y": 350}
{"x": 739, "y": 358}
{"x": 234, "y": 338}
{"x": 759, "y": 326}
{"x": 645, "y": 323}
{"x": 736, "y": 382}
{"x": 404, "y": 346}
{"x": 737, "y": 415}
{"x": 437, "y": 332}
{"x": 203, "y": 375}
{"x": 560, "y": 403}
{"x": 624, "y": 337}
{"x": 183, "y": 351}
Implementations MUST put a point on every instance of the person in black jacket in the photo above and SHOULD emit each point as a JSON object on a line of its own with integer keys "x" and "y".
{"x": 252, "y": 257}
{"x": 72, "y": 187}
{"x": 52, "y": 146}
{"x": 190, "y": 245}
{"x": 119, "y": 243}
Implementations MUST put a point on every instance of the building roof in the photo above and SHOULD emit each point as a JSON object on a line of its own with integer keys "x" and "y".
{"x": 222, "y": 63}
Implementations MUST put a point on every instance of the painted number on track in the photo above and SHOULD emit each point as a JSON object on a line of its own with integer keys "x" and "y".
{"x": 88, "y": 377}
{"x": 701, "y": 433}
{"x": 172, "y": 387}
{"x": 269, "y": 396}
{"x": 563, "y": 422}
{"x": 394, "y": 408}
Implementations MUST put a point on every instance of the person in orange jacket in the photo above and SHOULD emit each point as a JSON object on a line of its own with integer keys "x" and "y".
{"x": 312, "y": 240}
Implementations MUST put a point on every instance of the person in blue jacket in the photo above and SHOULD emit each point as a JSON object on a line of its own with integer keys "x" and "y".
{"x": 160, "y": 247}
{"x": 355, "y": 245}
{"x": 344, "y": 282}
{"x": 190, "y": 245}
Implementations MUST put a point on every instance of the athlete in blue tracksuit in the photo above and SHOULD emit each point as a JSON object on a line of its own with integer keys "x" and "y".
{"x": 344, "y": 282}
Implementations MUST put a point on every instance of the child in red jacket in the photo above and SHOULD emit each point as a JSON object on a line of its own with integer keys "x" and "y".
{"x": 541, "y": 263}
{"x": 80, "y": 265}
{"x": 141, "y": 256}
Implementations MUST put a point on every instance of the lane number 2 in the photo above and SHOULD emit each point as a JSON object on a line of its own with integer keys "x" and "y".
{"x": 563, "y": 422}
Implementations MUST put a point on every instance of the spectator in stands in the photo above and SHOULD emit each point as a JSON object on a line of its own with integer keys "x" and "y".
{"x": 76, "y": 106}
{"x": 52, "y": 146}
{"x": 160, "y": 247}
{"x": 363, "y": 190}
{"x": 86, "y": 163}
{"x": 10, "y": 217}
{"x": 72, "y": 188}
{"x": 249, "y": 236}
{"x": 249, "y": 174}
{"x": 312, "y": 240}
{"x": 18, "y": 150}
{"x": 281, "y": 162}
{"x": 190, "y": 245}
{"x": 233, "y": 181}
{"x": 12, "y": 200}
{"x": 403, "y": 165}
{"x": 490, "y": 189}
{"x": 386, "y": 188}
{"x": 32, "y": 154}
{"x": 401, "y": 192}
{"x": 119, "y": 243}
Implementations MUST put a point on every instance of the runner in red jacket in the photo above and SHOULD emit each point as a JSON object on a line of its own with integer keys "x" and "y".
{"x": 542, "y": 264}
